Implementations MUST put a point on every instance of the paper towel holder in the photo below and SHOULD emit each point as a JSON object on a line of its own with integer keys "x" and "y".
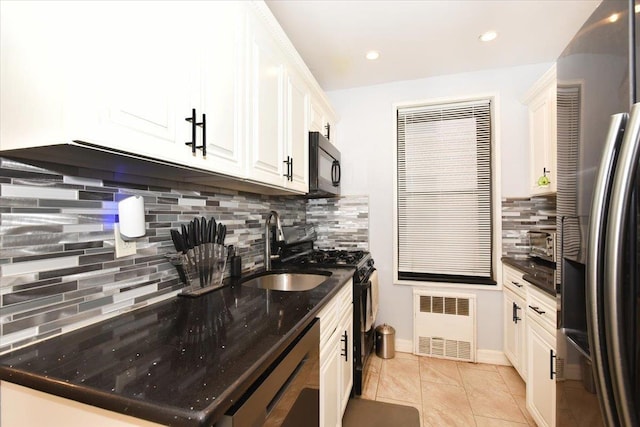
{"x": 131, "y": 218}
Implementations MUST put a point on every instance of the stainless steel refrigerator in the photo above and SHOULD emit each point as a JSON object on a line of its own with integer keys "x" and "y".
{"x": 598, "y": 220}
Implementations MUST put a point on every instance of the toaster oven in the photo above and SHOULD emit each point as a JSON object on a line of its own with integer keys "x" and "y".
{"x": 543, "y": 244}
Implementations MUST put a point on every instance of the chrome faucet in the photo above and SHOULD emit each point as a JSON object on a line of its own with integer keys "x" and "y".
{"x": 267, "y": 237}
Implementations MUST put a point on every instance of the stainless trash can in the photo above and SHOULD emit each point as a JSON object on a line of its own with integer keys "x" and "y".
{"x": 385, "y": 341}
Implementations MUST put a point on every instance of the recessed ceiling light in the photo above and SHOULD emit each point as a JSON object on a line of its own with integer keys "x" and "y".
{"x": 637, "y": 8}
{"x": 488, "y": 36}
{"x": 373, "y": 55}
{"x": 614, "y": 17}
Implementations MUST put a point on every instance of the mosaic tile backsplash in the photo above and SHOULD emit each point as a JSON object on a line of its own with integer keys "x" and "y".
{"x": 520, "y": 215}
{"x": 59, "y": 270}
{"x": 341, "y": 223}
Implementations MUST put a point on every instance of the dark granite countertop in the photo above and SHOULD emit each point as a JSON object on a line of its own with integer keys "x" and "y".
{"x": 539, "y": 273}
{"x": 182, "y": 362}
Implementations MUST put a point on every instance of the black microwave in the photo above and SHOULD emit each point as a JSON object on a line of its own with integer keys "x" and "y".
{"x": 324, "y": 167}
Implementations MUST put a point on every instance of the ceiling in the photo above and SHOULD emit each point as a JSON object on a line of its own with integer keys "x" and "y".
{"x": 424, "y": 38}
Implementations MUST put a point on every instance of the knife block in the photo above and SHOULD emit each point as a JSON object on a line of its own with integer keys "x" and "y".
{"x": 201, "y": 269}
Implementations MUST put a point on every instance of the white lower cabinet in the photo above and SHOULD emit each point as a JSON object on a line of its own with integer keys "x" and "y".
{"x": 541, "y": 362}
{"x": 514, "y": 320}
{"x": 345, "y": 328}
{"x": 336, "y": 356}
{"x": 18, "y": 403}
{"x": 541, "y": 384}
{"x": 330, "y": 414}
{"x": 514, "y": 330}
{"x": 529, "y": 321}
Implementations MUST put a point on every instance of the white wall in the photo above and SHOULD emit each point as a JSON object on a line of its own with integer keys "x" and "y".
{"x": 365, "y": 138}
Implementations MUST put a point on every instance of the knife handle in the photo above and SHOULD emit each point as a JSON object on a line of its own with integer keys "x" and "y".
{"x": 203, "y": 230}
{"x": 196, "y": 232}
{"x": 192, "y": 235}
{"x": 178, "y": 241}
{"x": 185, "y": 237}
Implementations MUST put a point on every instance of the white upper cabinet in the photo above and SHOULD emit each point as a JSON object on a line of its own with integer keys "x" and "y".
{"x": 218, "y": 85}
{"x": 322, "y": 118}
{"x": 139, "y": 97}
{"x": 105, "y": 74}
{"x": 107, "y": 82}
{"x": 297, "y": 133}
{"x": 279, "y": 111}
{"x": 266, "y": 106}
{"x": 541, "y": 100}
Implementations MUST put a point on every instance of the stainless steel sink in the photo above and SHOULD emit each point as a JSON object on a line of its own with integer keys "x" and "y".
{"x": 287, "y": 281}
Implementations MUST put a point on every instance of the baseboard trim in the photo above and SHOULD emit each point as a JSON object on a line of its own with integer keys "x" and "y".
{"x": 492, "y": 357}
{"x": 404, "y": 346}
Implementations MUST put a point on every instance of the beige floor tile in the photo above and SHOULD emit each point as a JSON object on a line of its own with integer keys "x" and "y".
{"x": 370, "y": 385}
{"x": 494, "y": 422}
{"x": 512, "y": 379}
{"x": 485, "y": 380}
{"x": 400, "y": 380}
{"x": 374, "y": 364}
{"x": 440, "y": 371}
{"x": 522, "y": 404}
{"x": 491, "y": 403}
{"x": 445, "y": 405}
{"x": 418, "y": 406}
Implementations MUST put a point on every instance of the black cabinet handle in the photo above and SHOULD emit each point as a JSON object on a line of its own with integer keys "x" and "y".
{"x": 203, "y": 125}
{"x": 328, "y": 128}
{"x": 192, "y": 120}
{"x": 536, "y": 309}
{"x": 344, "y": 352}
{"x": 335, "y": 173}
{"x": 517, "y": 284}
{"x": 551, "y": 357}
{"x": 289, "y": 163}
{"x": 291, "y": 172}
{"x": 515, "y": 309}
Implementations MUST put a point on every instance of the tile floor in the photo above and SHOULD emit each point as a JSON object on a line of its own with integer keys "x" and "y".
{"x": 449, "y": 393}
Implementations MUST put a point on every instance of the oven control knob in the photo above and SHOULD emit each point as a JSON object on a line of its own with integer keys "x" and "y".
{"x": 370, "y": 262}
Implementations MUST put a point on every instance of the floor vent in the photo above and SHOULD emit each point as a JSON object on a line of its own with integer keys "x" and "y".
{"x": 444, "y": 325}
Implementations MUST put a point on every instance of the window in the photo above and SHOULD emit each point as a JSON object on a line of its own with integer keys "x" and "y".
{"x": 444, "y": 217}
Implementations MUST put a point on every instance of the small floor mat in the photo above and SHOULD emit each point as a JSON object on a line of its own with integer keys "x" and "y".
{"x": 369, "y": 413}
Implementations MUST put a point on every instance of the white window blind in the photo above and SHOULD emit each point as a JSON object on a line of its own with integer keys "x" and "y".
{"x": 444, "y": 215}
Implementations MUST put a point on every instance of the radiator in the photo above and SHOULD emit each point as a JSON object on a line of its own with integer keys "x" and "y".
{"x": 444, "y": 325}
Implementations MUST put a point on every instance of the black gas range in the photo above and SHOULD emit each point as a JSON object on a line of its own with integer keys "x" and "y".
{"x": 331, "y": 258}
{"x": 303, "y": 254}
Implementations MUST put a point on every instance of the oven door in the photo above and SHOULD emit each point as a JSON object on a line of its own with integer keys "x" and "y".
{"x": 371, "y": 301}
{"x": 365, "y": 311}
{"x": 287, "y": 395}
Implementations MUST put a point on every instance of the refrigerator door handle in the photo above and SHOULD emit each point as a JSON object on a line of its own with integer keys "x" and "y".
{"x": 595, "y": 269}
{"x": 622, "y": 189}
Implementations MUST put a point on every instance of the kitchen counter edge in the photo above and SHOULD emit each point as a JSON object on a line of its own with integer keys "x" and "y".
{"x": 158, "y": 413}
